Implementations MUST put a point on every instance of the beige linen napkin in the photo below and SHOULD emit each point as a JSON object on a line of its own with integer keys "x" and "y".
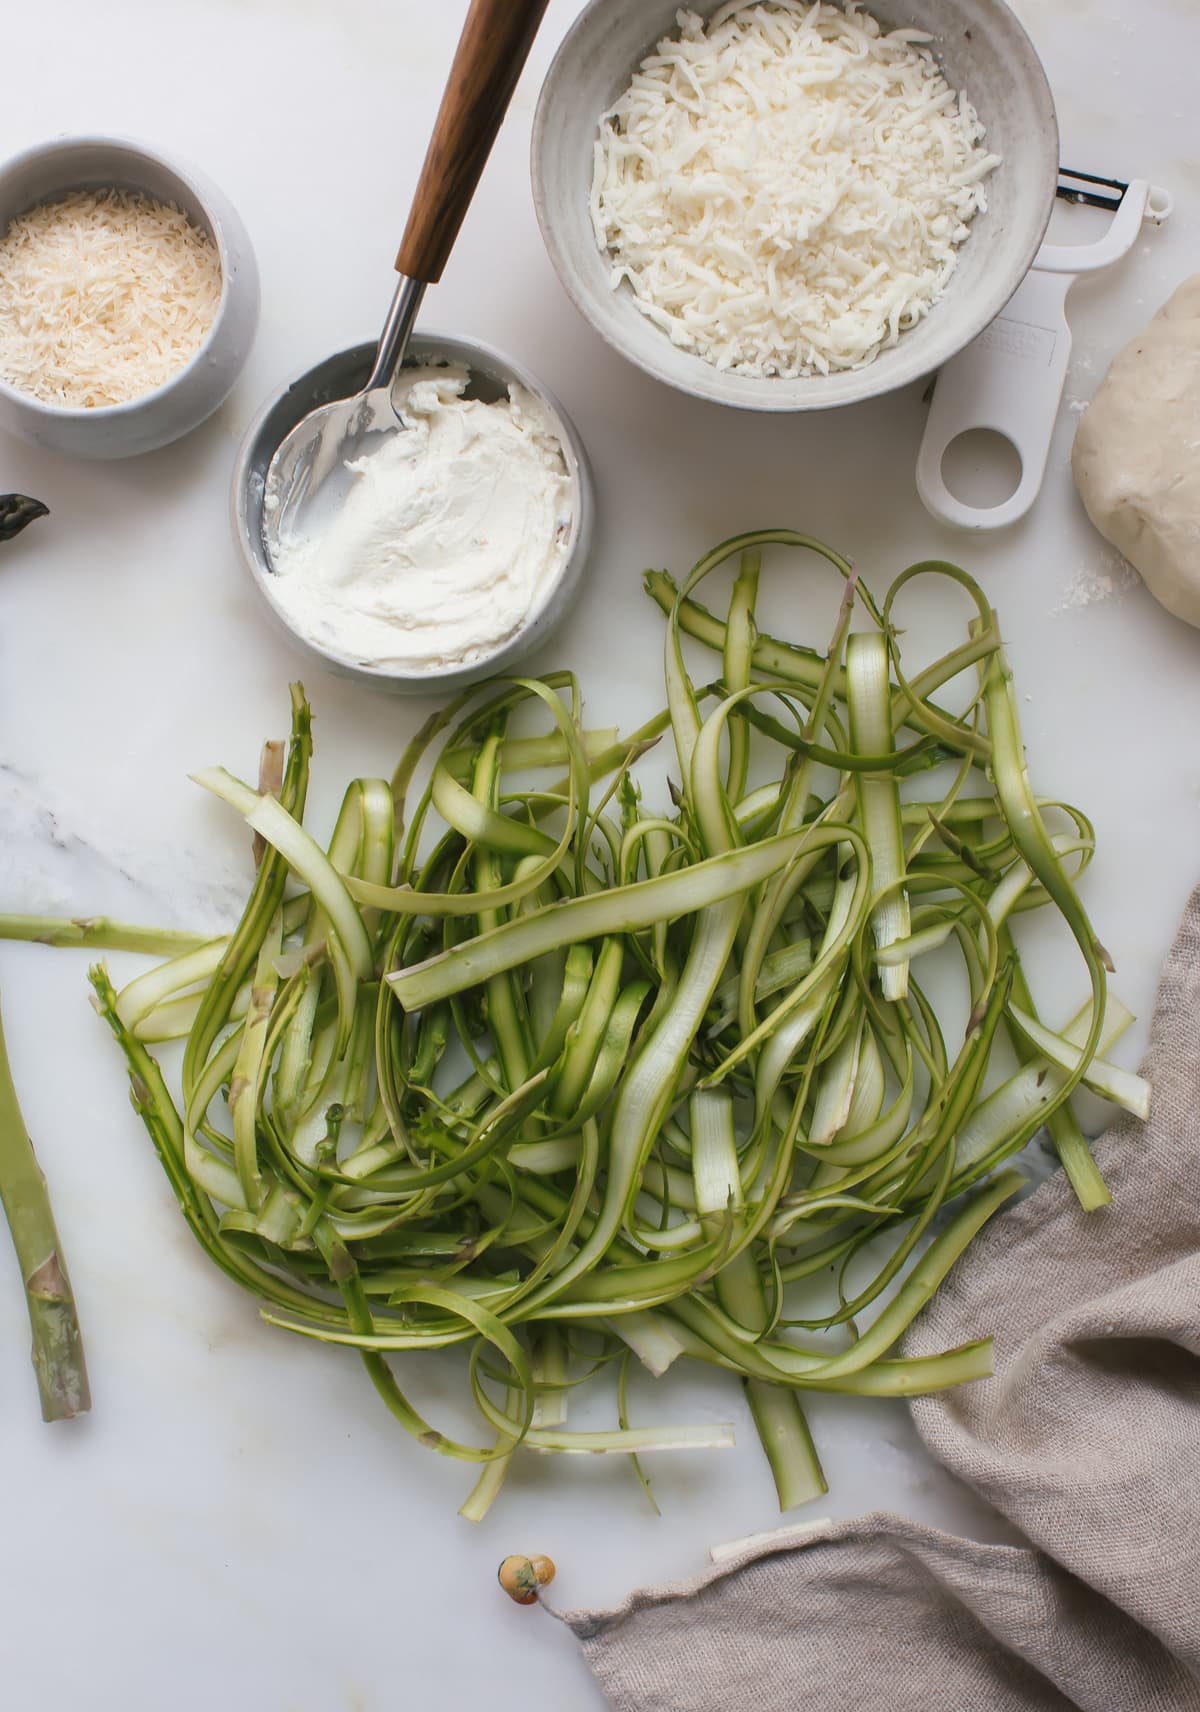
{"x": 1087, "y": 1439}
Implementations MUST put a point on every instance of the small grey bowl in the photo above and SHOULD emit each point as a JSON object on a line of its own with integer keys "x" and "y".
{"x": 124, "y": 430}
{"x": 340, "y": 376}
{"x": 982, "y": 50}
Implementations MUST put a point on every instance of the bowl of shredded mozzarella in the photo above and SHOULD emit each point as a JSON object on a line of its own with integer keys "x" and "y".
{"x": 793, "y": 204}
{"x": 129, "y": 297}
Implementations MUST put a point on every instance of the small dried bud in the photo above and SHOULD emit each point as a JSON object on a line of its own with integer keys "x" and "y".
{"x": 521, "y": 1577}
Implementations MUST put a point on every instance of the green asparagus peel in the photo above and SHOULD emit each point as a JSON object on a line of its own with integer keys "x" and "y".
{"x": 57, "y": 1345}
{"x": 98, "y": 933}
{"x": 526, "y": 1063}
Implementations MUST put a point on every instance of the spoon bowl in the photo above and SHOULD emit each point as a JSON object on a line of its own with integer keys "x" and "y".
{"x": 339, "y": 429}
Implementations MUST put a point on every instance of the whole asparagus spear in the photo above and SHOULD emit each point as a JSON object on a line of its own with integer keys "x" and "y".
{"x": 57, "y": 1345}
{"x": 16, "y": 510}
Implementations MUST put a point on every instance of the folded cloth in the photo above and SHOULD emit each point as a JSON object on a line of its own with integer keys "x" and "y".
{"x": 1087, "y": 1439}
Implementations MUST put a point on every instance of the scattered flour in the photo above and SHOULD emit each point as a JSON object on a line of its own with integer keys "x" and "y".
{"x": 1107, "y": 575}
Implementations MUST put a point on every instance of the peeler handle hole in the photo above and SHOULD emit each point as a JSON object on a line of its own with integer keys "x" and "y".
{"x": 982, "y": 468}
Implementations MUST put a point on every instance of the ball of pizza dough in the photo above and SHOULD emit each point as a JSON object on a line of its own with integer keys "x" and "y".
{"x": 1137, "y": 454}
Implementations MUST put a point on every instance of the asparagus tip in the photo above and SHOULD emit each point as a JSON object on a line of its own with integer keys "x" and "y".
{"x": 17, "y": 511}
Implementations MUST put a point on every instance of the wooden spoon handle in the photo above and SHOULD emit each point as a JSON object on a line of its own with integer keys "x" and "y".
{"x": 495, "y": 44}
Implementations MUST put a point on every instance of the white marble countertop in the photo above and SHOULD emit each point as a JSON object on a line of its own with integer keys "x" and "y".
{"x": 239, "y": 1522}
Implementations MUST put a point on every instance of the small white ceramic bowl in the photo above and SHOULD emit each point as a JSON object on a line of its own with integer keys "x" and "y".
{"x": 123, "y": 430}
{"x": 340, "y": 376}
{"x": 982, "y": 50}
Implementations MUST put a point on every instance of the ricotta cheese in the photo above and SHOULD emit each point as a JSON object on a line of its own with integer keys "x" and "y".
{"x": 448, "y": 541}
{"x": 104, "y": 296}
{"x": 785, "y": 189}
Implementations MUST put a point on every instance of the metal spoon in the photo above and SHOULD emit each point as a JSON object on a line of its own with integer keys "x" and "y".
{"x": 495, "y": 44}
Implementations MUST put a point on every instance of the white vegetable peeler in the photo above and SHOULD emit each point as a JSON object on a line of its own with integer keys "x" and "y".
{"x": 1011, "y": 378}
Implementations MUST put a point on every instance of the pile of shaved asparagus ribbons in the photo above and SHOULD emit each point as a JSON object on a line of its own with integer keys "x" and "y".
{"x": 518, "y": 1065}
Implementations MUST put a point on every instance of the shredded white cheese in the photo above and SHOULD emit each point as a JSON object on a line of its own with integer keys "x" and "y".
{"x": 104, "y": 296}
{"x": 785, "y": 190}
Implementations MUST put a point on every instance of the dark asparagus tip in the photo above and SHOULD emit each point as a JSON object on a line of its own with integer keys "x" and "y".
{"x": 16, "y": 511}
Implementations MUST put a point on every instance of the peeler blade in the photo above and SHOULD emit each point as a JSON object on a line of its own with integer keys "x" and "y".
{"x": 1085, "y": 189}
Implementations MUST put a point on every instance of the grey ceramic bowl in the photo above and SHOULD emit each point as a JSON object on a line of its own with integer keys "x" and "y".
{"x": 983, "y": 51}
{"x": 341, "y": 376}
{"x": 123, "y": 430}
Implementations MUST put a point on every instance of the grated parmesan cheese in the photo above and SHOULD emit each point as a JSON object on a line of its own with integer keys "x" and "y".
{"x": 104, "y": 296}
{"x": 785, "y": 190}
